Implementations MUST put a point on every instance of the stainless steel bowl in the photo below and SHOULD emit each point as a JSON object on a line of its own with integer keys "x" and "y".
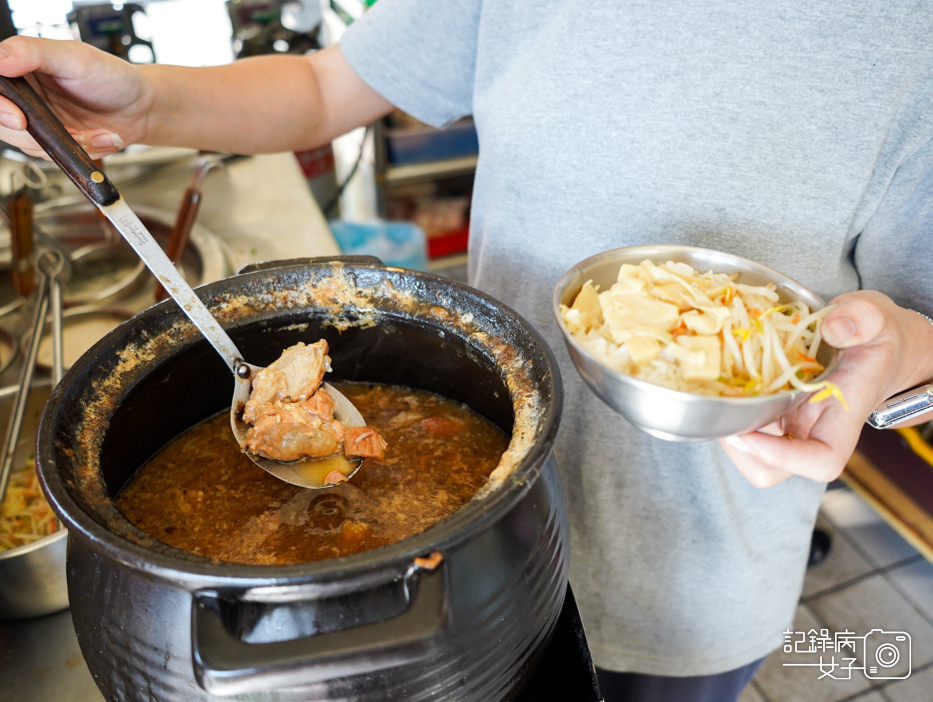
{"x": 671, "y": 414}
{"x": 82, "y": 327}
{"x": 106, "y": 269}
{"x": 32, "y": 577}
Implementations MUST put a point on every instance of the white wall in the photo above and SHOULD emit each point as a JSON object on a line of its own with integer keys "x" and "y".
{"x": 183, "y": 32}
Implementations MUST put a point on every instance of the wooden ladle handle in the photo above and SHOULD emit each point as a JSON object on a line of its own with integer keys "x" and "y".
{"x": 58, "y": 143}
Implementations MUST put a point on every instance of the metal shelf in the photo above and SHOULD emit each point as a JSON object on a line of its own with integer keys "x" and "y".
{"x": 416, "y": 172}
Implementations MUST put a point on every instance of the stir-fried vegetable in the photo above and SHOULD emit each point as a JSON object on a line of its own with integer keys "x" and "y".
{"x": 704, "y": 333}
{"x": 26, "y": 516}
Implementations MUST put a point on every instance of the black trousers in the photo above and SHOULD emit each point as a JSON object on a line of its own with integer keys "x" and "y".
{"x": 635, "y": 687}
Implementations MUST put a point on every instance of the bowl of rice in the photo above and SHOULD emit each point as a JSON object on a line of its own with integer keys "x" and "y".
{"x": 691, "y": 344}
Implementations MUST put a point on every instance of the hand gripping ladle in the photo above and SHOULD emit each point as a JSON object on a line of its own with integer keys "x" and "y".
{"x": 61, "y": 147}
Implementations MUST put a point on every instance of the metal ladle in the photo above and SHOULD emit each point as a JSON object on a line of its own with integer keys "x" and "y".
{"x": 61, "y": 147}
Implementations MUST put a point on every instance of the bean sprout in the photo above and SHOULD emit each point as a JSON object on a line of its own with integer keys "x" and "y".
{"x": 26, "y": 516}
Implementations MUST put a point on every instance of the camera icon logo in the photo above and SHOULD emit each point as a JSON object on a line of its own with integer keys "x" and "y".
{"x": 886, "y": 654}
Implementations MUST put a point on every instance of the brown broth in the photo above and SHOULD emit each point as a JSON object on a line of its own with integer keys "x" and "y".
{"x": 202, "y": 495}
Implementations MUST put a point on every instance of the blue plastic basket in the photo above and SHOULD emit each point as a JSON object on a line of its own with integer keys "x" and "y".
{"x": 401, "y": 244}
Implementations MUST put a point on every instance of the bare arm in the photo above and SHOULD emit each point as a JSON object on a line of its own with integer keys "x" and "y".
{"x": 257, "y": 105}
{"x": 261, "y": 104}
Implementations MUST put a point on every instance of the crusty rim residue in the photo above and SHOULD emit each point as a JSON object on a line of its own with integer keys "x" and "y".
{"x": 348, "y": 305}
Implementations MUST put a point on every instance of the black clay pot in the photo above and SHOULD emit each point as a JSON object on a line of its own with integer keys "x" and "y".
{"x": 156, "y": 623}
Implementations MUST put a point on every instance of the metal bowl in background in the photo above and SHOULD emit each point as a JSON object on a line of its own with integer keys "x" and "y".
{"x": 671, "y": 414}
{"x": 82, "y": 327}
{"x": 32, "y": 577}
{"x": 105, "y": 269}
{"x": 110, "y": 269}
{"x": 103, "y": 272}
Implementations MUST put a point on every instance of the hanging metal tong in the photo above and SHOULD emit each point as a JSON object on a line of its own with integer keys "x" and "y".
{"x": 50, "y": 264}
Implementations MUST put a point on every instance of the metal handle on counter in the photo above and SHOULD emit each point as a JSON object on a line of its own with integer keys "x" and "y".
{"x": 906, "y": 405}
{"x": 226, "y": 665}
{"x": 184, "y": 222}
{"x": 52, "y": 265}
{"x": 187, "y": 214}
{"x": 22, "y": 243}
{"x": 58, "y": 143}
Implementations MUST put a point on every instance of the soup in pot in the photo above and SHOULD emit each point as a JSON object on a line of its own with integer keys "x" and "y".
{"x": 202, "y": 495}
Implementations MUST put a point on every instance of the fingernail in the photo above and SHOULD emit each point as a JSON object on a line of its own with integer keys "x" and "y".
{"x": 9, "y": 121}
{"x": 838, "y": 331}
{"x": 740, "y": 444}
{"x": 104, "y": 141}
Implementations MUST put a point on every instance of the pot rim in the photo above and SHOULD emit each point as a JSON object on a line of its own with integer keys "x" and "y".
{"x": 473, "y": 517}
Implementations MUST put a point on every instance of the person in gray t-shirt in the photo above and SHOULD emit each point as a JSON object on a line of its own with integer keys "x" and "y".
{"x": 797, "y": 134}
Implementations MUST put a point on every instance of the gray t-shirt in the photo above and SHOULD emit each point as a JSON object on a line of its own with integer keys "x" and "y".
{"x": 795, "y": 133}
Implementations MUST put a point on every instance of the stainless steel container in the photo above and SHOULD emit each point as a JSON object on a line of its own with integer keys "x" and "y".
{"x": 671, "y": 414}
{"x": 32, "y": 577}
